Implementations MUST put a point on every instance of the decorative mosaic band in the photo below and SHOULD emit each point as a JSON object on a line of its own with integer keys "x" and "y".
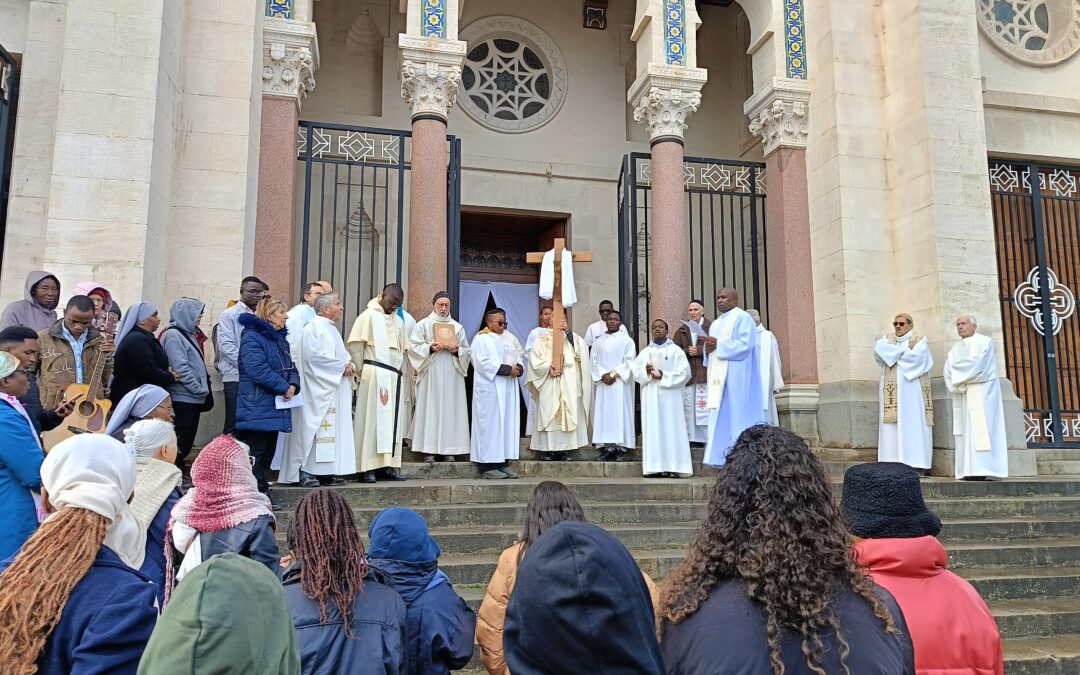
{"x": 795, "y": 33}
{"x": 675, "y": 32}
{"x": 279, "y": 9}
{"x": 433, "y": 18}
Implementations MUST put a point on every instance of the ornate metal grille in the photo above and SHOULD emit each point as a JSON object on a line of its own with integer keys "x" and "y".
{"x": 1037, "y": 227}
{"x": 726, "y": 226}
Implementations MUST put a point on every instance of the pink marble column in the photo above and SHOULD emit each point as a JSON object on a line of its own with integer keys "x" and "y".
{"x": 791, "y": 280}
{"x": 669, "y": 258}
{"x": 274, "y": 214}
{"x": 427, "y": 215}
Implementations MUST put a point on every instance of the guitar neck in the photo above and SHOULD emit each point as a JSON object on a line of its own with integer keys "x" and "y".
{"x": 94, "y": 389}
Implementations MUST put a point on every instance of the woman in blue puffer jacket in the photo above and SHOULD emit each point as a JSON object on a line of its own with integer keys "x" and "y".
{"x": 266, "y": 371}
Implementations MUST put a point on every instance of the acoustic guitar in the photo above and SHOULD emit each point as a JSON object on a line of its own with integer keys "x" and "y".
{"x": 91, "y": 410}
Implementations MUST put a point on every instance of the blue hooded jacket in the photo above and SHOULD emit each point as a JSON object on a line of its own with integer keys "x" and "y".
{"x": 20, "y": 464}
{"x": 440, "y": 625}
{"x": 266, "y": 371}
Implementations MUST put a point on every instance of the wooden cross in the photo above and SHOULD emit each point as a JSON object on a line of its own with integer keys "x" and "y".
{"x": 558, "y": 312}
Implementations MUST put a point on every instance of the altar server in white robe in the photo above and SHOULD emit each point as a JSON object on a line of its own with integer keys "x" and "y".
{"x": 734, "y": 378}
{"x": 530, "y": 402}
{"x": 562, "y": 416}
{"x": 598, "y": 328}
{"x": 613, "y": 391}
{"x": 906, "y": 405}
{"x": 302, "y": 313}
{"x": 497, "y": 364}
{"x": 662, "y": 370}
{"x": 321, "y": 443}
{"x": 768, "y": 368}
{"x": 377, "y": 345}
{"x": 441, "y": 422}
{"x": 978, "y": 418}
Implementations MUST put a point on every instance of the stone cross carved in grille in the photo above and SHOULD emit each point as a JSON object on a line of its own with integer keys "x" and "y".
{"x": 558, "y": 312}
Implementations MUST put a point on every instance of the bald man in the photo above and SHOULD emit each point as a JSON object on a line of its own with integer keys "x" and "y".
{"x": 302, "y": 313}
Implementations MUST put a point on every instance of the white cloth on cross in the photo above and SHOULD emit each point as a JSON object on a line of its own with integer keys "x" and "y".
{"x": 547, "y": 278}
{"x": 978, "y": 418}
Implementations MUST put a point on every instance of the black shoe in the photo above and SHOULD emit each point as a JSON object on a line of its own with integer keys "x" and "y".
{"x": 366, "y": 477}
{"x": 604, "y": 456}
{"x": 334, "y": 481}
{"x": 564, "y": 456}
{"x": 619, "y": 456}
{"x": 548, "y": 456}
{"x": 308, "y": 481}
{"x": 390, "y": 473}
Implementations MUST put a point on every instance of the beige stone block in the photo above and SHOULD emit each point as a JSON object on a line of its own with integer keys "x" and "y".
{"x": 90, "y": 30}
{"x": 124, "y": 200}
{"x": 825, "y": 177}
{"x": 213, "y": 189}
{"x": 862, "y": 142}
{"x": 82, "y": 72}
{"x": 854, "y": 47}
{"x": 219, "y": 229}
{"x": 137, "y": 36}
{"x": 223, "y": 115}
{"x": 228, "y": 153}
{"x": 194, "y": 150}
{"x": 41, "y": 62}
{"x": 73, "y": 198}
{"x": 101, "y": 157}
{"x": 858, "y": 111}
{"x": 862, "y": 172}
{"x": 226, "y": 41}
{"x": 46, "y": 23}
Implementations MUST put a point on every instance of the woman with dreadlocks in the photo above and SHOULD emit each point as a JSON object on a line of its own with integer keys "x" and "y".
{"x": 72, "y": 600}
{"x": 771, "y": 584}
{"x": 343, "y": 624}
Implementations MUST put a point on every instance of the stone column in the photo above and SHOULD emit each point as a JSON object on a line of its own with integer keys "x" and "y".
{"x": 290, "y": 56}
{"x": 663, "y": 98}
{"x": 430, "y": 75}
{"x": 778, "y": 115}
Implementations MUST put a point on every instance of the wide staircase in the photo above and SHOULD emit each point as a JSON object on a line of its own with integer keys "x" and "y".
{"x": 1017, "y": 541}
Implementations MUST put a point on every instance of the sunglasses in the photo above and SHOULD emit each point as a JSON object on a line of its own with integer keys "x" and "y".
{"x": 899, "y": 323}
{"x": 504, "y": 324}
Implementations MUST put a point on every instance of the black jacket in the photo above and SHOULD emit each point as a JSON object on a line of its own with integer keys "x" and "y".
{"x": 140, "y": 359}
{"x": 580, "y": 605}
{"x": 42, "y": 419}
{"x": 378, "y": 626}
{"x": 252, "y": 539}
{"x": 727, "y": 635}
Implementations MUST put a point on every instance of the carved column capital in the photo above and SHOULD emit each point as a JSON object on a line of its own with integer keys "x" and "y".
{"x": 430, "y": 74}
{"x": 290, "y": 58}
{"x": 779, "y": 115}
{"x": 664, "y": 97}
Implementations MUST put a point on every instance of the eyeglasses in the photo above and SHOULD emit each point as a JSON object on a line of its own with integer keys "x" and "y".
{"x": 504, "y": 324}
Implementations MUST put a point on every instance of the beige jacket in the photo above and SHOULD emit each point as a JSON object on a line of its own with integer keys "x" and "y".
{"x": 492, "y": 614}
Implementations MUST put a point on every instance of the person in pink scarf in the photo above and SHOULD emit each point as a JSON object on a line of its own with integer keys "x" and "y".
{"x": 224, "y": 512}
{"x": 103, "y": 303}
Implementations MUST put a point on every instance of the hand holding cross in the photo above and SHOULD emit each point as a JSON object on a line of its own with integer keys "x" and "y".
{"x": 558, "y": 312}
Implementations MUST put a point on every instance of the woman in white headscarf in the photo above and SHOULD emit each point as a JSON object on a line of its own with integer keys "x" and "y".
{"x": 139, "y": 358}
{"x": 147, "y": 402}
{"x": 73, "y": 599}
{"x": 157, "y": 489}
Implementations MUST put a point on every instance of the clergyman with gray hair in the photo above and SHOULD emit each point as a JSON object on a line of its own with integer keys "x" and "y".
{"x": 978, "y": 418}
{"x": 303, "y": 312}
{"x": 320, "y": 449}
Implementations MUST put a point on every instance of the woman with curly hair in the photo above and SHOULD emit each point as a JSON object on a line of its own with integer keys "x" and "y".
{"x": 771, "y": 583}
{"x": 343, "y": 624}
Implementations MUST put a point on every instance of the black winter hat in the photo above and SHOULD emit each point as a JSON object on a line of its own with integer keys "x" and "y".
{"x": 883, "y": 500}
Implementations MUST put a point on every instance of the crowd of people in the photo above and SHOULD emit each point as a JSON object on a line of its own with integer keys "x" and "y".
{"x": 127, "y": 575}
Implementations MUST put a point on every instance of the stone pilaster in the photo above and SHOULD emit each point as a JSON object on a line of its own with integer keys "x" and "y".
{"x": 290, "y": 58}
{"x": 430, "y": 74}
{"x": 779, "y": 115}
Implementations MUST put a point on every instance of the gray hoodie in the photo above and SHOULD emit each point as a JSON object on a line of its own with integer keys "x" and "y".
{"x": 28, "y": 312}
{"x": 185, "y": 357}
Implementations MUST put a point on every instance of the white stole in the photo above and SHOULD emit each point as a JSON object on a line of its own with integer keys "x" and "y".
{"x": 718, "y": 367}
{"x": 547, "y": 278}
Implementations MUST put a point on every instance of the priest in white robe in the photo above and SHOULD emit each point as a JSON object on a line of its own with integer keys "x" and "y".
{"x": 662, "y": 370}
{"x": 978, "y": 417}
{"x": 377, "y": 345}
{"x": 497, "y": 364}
{"x": 562, "y": 417}
{"x": 768, "y": 368}
{"x": 696, "y": 392}
{"x": 530, "y": 402}
{"x": 321, "y": 443}
{"x": 303, "y": 312}
{"x": 439, "y": 355}
{"x": 611, "y": 357}
{"x": 906, "y": 405}
{"x": 734, "y": 386}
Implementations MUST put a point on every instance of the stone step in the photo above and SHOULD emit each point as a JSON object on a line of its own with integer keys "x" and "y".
{"x": 1063, "y": 454}
{"x": 852, "y": 455}
{"x": 1058, "y": 467}
{"x": 561, "y": 470}
{"x": 1059, "y": 655}
{"x": 1036, "y": 617}
{"x": 1046, "y": 527}
{"x": 1000, "y": 583}
{"x": 476, "y": 568}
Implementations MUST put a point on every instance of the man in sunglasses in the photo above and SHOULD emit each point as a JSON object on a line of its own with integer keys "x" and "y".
{"x": 907, "y": 408}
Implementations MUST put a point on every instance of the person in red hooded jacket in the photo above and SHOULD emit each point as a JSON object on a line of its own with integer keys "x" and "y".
{"x": 951, "y": 627}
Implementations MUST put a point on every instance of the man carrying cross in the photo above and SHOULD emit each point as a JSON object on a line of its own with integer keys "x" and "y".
{"x": 558, "y": 373}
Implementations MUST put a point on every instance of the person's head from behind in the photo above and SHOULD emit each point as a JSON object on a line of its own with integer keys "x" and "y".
{"x": 550, "y": 504}
{"x": 78, "y": 315}
{"x": 401, "y": 534}
{"x": 153, "y": 438}
{"x": 273, "y": 312}
{"x": 22, "y": 343}
{"x": 580, "y": 605}
{"x": 884, "y": 500}
{"x": 253, "y": 290}
{"x": 772, "y": 523}
{"x": 324, "y": 539}
{"x": 86, "y": 484}
{"x": 222, "y": 465}
{"x": 230, "y": 611}
{"x": 46, "y": 292}
{"x": 13, "y": 379}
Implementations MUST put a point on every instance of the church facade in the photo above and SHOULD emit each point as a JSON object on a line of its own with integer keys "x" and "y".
{"x": 837, "y": 161}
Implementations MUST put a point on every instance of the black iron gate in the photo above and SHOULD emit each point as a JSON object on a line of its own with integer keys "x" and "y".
{"x": 9, "y": 94}
{"x": 726, "y": 227}
{"x": 1037, "y": 229}
{"x": 356, "y": 195}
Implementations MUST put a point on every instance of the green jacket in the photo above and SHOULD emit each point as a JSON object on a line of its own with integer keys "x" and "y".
{"x": 227, "y": 616}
